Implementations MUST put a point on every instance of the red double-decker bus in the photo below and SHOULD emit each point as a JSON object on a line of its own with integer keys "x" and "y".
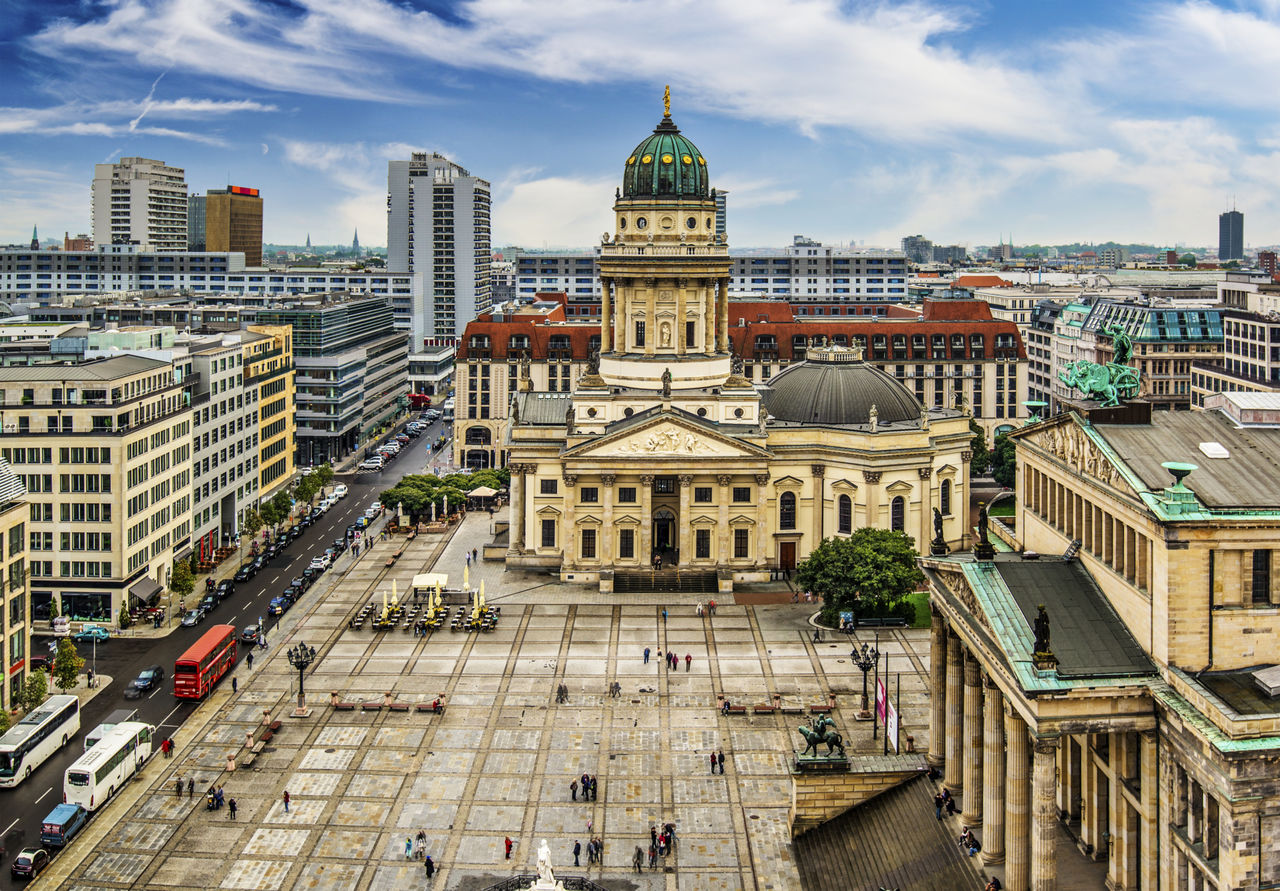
{"x": 202, "y": 666}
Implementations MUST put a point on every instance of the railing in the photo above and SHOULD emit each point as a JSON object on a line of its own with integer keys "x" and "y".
{"x": 664, "y": 250}
{"x": 527, "y": 880}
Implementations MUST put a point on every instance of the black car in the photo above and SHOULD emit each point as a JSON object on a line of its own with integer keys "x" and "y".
{"x": 340, "y": 544}
{"x": 291, "y": 594}
{"x": 310, "y": 575}
{"x": 225, "y": 589}
{"x": 29, "y": 862}
{"x": 259, "y": 563}
{"x": 246, "y": 572}
{"x": 149, "y": 678}
{"x": 208, "y": 603}
{"x": 307, "y": 520}
{"x": 294, "y": 533}
{"x": 302, "y": 583}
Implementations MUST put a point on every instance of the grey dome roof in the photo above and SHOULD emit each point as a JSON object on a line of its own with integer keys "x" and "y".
{"x": 834, "y": 386}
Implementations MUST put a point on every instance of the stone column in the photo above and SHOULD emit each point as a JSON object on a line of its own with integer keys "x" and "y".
{"x": 937, "y": 687}
{"x": 1149, "y": 819}
{"x": 606, "y": 315}
{"x": 953, "y": 776}
{"x": 569, "y": 542}
{"x": 608, "y": 533}
{"x": 973, "y": 730}
{"x": 763, "y": 555}
{"x": 722, "y": 316}
{"x": 682, "y": 522}
{"x": 1017, "y": 867}
{"x": 709, "y": 304}
{"x": 819, "y": 472}
{"x": 872, "y": 479}
{"x": 646, "y": 520}
{"x": 1044, "y": 824}
{"x": 993, "y": 774}
{"x": 926, "y": 506}
{"x": 518, "y": 484}
{"x": 724, "y": 554}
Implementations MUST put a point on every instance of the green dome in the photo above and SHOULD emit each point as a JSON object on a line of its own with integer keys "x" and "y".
{"x": 665, "y": 165}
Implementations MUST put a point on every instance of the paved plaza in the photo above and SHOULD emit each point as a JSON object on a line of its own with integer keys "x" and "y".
{"x": 499, "y": 761}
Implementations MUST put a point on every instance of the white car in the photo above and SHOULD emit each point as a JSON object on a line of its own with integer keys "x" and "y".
{"x": 340, "y": 491}
{"x": 321, "y": 563}
{"x": 374, "y": 463}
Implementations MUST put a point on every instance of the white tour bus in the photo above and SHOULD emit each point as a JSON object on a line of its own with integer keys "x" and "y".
{"x": 29, "y": 743}
{"x": 106, "y": 767}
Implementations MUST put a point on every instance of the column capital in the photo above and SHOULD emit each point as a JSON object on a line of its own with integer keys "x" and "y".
{"x": 871, "y": 476}
{"x": 966, "y": 456}
{"x": 647, "y": 479}
{"x": 818, "y": 470}
{"x": 570, "y": 479}
{"x": 925, "y": 472}
{"x": 1046, "y": 745}
{"x": 988, "y": 683}
{"x": 972, "y": 669}
{"x": 686, "y": 480}
{"x": 724, "y": 479}
{"x": 762, "y": 478}
{"x": 608, "y": 478}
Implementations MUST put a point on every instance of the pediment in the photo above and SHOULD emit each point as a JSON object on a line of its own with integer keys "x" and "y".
{"x": 703, "y": 520}
{"x": 742, "y": 520}
{"x": 548, "y": 511}
{"x": 844, "y": 486}
{"x": 787, "y": 482}
{"x": 899, "y": 486}
{"x": 667, "y": 436}
{"x": 1068, "y": 441}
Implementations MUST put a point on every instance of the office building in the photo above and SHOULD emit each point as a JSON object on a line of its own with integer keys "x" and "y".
{"x": 15, "y": 623}
{"x": 919, "y": 250}
{"x": 438, "y": 227}
{"x": 104, "y": 450}
{"x": 140, "y": 201}
{"x": 1230, "y": 236}
{"x": 722, "y": 214}
{"x": 82, "y": 242}
{"x": 953, "y": 254}
{"x": 351, "y": 371}
{"x": 233, "y": 222}
{"x": 268, "y": 367}
{"x": 1267, "y": 262}
{"x": 197, "y": 208}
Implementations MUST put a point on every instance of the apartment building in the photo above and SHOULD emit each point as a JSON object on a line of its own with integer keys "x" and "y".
{"x": 140, "y": 201}
{"x": 1250, "y": 360}
{"x": 103, "y": 448}
{"x": 15, "y": 618}
{"x": 267, "y": 360}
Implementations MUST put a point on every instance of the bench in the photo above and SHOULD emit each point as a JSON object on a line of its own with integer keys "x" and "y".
{"x": 886, "y": 622}
{"x": 792, "y": 710}
{"x": 426, "y": 707}
{"x": 391, "y": 561}
{"x": 265, "y": 738}
{"x": 275, "y": 726}
{"x": 735, "y": 710}
{"x": 819, "y": 709}
{"x": 763, "y": 710}
{"x": 345, "y": 706}
{"x": 371, "y": 706}
{"x": 399, "y": 706}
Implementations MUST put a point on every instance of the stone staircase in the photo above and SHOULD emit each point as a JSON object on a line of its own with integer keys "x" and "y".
{"x": 677, "y": 581}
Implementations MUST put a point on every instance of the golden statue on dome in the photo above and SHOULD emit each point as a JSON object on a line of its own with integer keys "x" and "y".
{"x": 666, "y": 102}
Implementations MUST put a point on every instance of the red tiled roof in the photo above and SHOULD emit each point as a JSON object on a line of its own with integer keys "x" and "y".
{"x": 981, "y": 281}
{"x": 957, "y": 311}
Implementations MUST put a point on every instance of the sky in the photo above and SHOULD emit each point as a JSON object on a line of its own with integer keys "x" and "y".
{"x": 849, "y": 122}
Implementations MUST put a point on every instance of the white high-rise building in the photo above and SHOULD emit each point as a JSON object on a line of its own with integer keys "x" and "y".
{"x": 438, "y": 229}
{"x": 138, "y": 200}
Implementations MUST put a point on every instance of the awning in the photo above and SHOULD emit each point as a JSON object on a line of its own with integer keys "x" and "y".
{"x": 482, "y": 492}
{"x": 144, "y": 591}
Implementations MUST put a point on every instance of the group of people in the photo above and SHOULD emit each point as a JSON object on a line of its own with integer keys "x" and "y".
{"x": 969, "y": 842}
{"x": 944, "y": 802}
{"x": 416, "y": 849}
{"x": 595, "y": 851}
{"x": 661, "y": 843}
{"x": 590, "y": 788}
{"x": 562, "y": 693}
{"x": 189, "y": 783}
{"x": 672, "y": 660}
{"x": 166, "y": 747}
{"x": 717, "y": 760}
{"x": 214, "y": 800}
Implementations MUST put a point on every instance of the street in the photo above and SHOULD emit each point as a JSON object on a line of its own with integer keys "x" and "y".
{"x": 123, "y": 657}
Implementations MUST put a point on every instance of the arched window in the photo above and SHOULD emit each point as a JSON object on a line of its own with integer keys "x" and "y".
{"x": 844, "y": 511}
{"x": 946, "y": 498}
{"x": 898, "y": 514}
{"x": 787, "y": 511}
{"x": 478, "y": 436}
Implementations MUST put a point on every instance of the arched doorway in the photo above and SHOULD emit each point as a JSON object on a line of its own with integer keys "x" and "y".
{"x": 664, "y": 531}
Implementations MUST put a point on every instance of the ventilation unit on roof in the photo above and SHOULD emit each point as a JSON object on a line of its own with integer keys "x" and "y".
{"x": 1214, "y": 450}
{"x": 1268, "y": 680}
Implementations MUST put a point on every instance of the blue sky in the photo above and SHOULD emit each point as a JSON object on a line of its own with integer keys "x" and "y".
{"x": 844, "y": 121}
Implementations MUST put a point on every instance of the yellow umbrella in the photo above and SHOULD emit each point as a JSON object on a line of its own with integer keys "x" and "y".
{"x": 480, "y": 602}
{"x": 395, "y": 601}
{"x": 466, "y": 577}
{"x": 384, "y": 603}
{"x": 475, "y": 606}
{"x": 435, "y": 601}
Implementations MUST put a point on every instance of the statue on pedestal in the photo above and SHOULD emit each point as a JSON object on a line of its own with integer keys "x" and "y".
{"x": 938, "y": 547}
{"x": 666, "y": 383}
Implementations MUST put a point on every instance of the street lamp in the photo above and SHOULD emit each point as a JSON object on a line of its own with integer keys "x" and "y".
{"x": 300, "y": 657}
{"x": 864, "y": 659}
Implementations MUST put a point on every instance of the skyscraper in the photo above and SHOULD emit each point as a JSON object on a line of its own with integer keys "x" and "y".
{"x": 438, "y": 229}
{"x": 1231, "y": 236}
{"x": 722, "y": 212}
{"x": 918, "y": 249}
{"x": 196, "y": 209}
{"x": 233, "y": 222}
{"x": 138, "y": 200}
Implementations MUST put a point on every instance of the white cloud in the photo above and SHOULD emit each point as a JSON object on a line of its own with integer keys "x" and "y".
{"x": 553, "y": 211}
{"x": 33, "y": 195}
{"x": 120, "y": 118}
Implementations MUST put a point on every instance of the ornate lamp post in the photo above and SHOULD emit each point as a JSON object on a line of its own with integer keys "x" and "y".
{"x": 864, "y": 658}
{"x": 300, "y": 657}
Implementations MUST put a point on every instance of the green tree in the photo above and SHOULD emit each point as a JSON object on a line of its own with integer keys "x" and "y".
{"x": 978, "y": 445}
{"x": 324, "y": 474}
{"x": 1004, "y": 462}
{"x": 1188, "y": 260}
{"x": 1231, "y": 264}
{"x": 283, "y": 505}
{"x": 252, "y": 521}
{"x": 126, "y": 620}
{"x": 869, "y": 573}
{"x": 53, "y": 610}
{"x": 67, "y": 664}
{"x": 4, "y": 722}
{"x": 306, "y": 488}
{"x": 35, "y": 690}
{"x": 269, "y": 513}
{"x": 182, "y": 581}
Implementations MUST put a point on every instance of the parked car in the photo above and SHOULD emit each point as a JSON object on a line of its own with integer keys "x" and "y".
{"x": 291, "y": 593}
{"x": 39, "y": 662}
{"x": 374, "y": 510}
{"x": 29, "y": 862}
{"x": 302, "y": 582}
{"x": 278, "y": 606}
{"x": 225, "y": 589}
{"x": 208, "y": 604}
{"x": 320, "y": 563}
{"x": 191, "y": 618}
{"x": 249, "y": 634}
{"x": 149, "y": 678}
{"x": 61, "y": 627}
{"x": 362, "y": 522}
{"x": 306, "y": 521}
{"x": 63, "y": 822}
{"x": 340, "y": 490}
{"x": 340, "y": 544}
{"x": 402, "y": 438}
{"x": 245, "y": 572}
{"x": 90, "y": 633}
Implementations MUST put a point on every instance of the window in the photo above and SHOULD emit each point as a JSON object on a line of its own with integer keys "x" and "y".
{"x": 626, "y": 544}
{"x": 639, "y": 334}
{"x": 690, "y": 329}
{"x": 627, "y": 495}
{"x": 741, "y": 494}
{"x": 787, "y": 511}
{"x": 898, "y": 514}
{"x": 548, "y": 533}
{"x": 946, "y": 498}
{"x": 702, "y": 543}
{"x": 590, "y": 495}
{"x": 17, "y": 534}
{"x": 702, "y": 494}
{"x": 741, "y": 544}
{"x": 665, "y": 485}
{"x": 1262, "y": 577}
{"x": 844, "y": 510}
{"x": 549, "y": 487}
{"x": 588, "y": 544}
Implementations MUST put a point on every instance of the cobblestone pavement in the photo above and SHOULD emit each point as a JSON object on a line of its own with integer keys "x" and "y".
{"x": 498, "y": 762}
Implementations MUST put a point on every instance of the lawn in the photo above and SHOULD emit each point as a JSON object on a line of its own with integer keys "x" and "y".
{"x": 921, "y": 601}
{"x": 1003, "y": 509}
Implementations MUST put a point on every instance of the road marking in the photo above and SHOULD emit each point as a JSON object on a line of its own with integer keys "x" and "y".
{"x": 165, "y": 720}
{"x": 276, "y": 579}
{"x": 38, "y": 800}
{"x": 10, "y": 826}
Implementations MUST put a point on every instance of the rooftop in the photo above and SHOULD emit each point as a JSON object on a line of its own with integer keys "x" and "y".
{"x": 100, "y": 369}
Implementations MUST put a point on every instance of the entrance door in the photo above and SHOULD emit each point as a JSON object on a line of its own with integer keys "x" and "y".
{"x": 664, "y": 530}
{"x": 787, "y": 555}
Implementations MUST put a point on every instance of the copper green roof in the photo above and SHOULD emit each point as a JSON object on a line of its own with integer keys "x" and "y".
{"x": 665, "y": 165}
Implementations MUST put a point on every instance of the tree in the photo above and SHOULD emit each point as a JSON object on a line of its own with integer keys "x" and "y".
{"x": 306, "y": 488}
{"x": 67, "y": 664}
{"x": 1004, "y": 462}
{"x": 283, "y": 505}
{"x": 269, "y": 513}
{"x": 182, "y": 581}
{"x": 35, "y": 690}
{"x": 4, "y": 722}
{"x": 1188, "y": 260}
{"x": 978, "y": 445}
{"x": 126, "y": 619}
{"x": 869, "y": 573}
{"x": 252, "y": 521}
{"x": 53, "y": 610}
{"x": 324, "y": 474}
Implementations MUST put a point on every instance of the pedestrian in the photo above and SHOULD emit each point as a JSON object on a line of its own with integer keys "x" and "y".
{"x": 408, "y": 848}
{"x": 508, "y": 844}
{"x": 419, "y": 845}
{"x": 664, "y": 615}
{"x": 286, "y": 801}
{"x": 248, "y": 660}
{"x": 234, "y": 685}
{"x": 573, "y": 789}
{"x": 191, "y": 787}
{"x": 89, "y": 678}
{"x": 577, "y": 849}
{"x": 593, "y": 788}
{"x": 688, "y": 662}
{"x": 713, "y": 607}
{"x": 937, "y": 805}
{"x": 177, "y": 786}
{"x": 430, "y": 866}
{"x": 646, "y": 655}
{"x": 637, "y": 859}
{"x": 468, "y": 559}
{"x": 712, "y": 756}
{"x": 475, "y": 556}
{"x": 653, "y": 835}
{"x": 720, "y": 761}
{"x": 653, "y": 856}
{"x": 231, "y": 808}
